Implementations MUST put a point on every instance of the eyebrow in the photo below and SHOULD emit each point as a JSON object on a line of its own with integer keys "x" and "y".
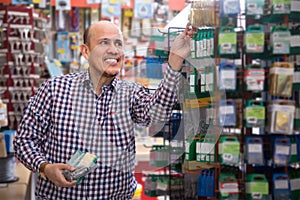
{"x": 116, "y": 40}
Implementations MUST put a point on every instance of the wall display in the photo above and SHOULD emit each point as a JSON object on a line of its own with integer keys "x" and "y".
{"x": 281, "y": 186}
{"x": 281, "y": 151}
{"x": 17, "y": 2}
{"x": 254, "y": 113}
{"x": 255, "y": 7}
{"x": 111, "y": 8}
{"x": 280, "y": 116}
{"x": 280, "y": 40}
{"x": 230, "y": 7}
{"x": 227, "y": 41}
{"x": 254, "y": 151}
{"x": 227, "y": 76}
{"x": 161, "y": 12}
{"x": 229, "y": 150}
{"x": 22, "y": 58}
{"x": 257, "y": 187}
{"x": 254, "y": 39}
{"x": 281, "y": 6}
{"x": 228, "y": 186}
{"x": 254, "y": 77}
{"x": 281, "y": 79}
{"x": 143, "y": 9}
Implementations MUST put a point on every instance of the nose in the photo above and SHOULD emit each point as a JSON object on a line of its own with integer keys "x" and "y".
{"x": 113, "y": 49}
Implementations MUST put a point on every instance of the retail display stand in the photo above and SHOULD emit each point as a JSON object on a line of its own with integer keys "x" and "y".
{"x": 22, "y": 55}
{"x": 245, "y": 99}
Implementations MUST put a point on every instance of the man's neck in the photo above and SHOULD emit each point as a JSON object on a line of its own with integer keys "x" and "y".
{"x": 100, "y": 80}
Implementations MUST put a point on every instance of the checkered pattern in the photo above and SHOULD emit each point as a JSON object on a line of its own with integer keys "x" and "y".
{"x": 66, "y": 115}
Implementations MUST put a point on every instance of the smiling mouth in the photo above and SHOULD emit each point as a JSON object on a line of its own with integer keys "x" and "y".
{"x": 112, "y": 60}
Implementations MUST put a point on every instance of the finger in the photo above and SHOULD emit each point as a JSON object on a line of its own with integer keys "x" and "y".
{"x": 63, "y": 166}
{"x": 70, "y": 184}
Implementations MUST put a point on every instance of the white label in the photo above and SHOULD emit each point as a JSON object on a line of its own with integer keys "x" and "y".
{"x": 192, "y": 89}
{"x": 3, "y": 112}
{"x": 294, "y": 149}
{"x": 282, "y": 71}
{"x": 231, "y": 187}
{"x": 187, "y": 147}
{"x": 285, "y": 109}
{"x": 295, "y": 40}
{"x": 281, "y": 184}
{"x": 209, "y": 78}
{"x": 205, "y": 148}
{"x": 227, "y": 74}
{"x": 295, "y": 184}
{"x": 283, "y": 150}
{"x": 295, "y": 6}
{"x": 202, "y": 79}
{"x": 192, "y": 79}
{"x": 225, "y": 110}
{"x": 296, "y": 77}
{"x": 254, "y": 148}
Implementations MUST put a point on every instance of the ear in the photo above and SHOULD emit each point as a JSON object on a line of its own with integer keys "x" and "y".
{"x": 84, "y": 50}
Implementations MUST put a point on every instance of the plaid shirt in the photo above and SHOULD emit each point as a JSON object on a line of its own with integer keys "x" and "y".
{"x": 66, "y": 115}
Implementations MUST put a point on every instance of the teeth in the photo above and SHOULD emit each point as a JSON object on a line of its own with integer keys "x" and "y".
{"x": 111, "y": 60}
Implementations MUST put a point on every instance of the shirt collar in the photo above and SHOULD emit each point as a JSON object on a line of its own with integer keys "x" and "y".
{"x": 88, "y": 84}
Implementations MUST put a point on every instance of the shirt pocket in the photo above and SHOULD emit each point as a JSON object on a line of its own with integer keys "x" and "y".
{"x": 123, "y": 126}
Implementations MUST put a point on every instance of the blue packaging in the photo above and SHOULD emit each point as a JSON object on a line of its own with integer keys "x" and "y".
{"x": 9, "y": 136}
{"x": 281, "y": 186}
{"x": 227, "y": 113}
{"x": 281, "y": 151}
{"x": 255, "y": 150}
{"x": 154, "y": 68}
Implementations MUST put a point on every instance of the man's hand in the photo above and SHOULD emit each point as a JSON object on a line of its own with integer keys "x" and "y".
{"x": 54, "y": 173}
{"x": 181, "y": 48}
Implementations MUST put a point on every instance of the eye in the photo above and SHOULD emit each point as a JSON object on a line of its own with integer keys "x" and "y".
{"x": 104, "y": 42}
{"x": 119, "y": 43}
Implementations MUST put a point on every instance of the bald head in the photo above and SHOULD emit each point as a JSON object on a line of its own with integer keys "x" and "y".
{"x": 99, "y": 26}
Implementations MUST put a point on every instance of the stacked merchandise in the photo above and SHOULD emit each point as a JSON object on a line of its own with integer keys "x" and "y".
{"x": 254, "y": 101}
{"x": 22, "y": 55}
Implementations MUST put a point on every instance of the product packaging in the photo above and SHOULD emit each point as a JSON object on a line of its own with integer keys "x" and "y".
{"x": 281, "y": 151}
{"x": 255, "y": 7}
{"x": 281, "y": 6}
{"x": 281, "y": 79}
{"x": 254, "y": 113}
{"x": 280, "y": 40}
{"x": 254, "y": 77}
{"x": 254, "y": 39}
{"x": 228, "y": 186}
{"x": 227, "y": 113}
{"x": 202, "y": 13}
{"x": 205, "y": 148}
{"x": 257, "y": 187}
{"x": 190, "y": 148}
{"x": 227, "y": 41}
{"x": 281, "y": 186}
{"x": 230, "y": 7}
{"x": 280, "y": 116}
{"x": 84, "y": 163}
{"x": 3, "y": 114}
{"x": 206, "y": 183}
{"x": 229, "y": 150}
{"x": 294, "y": 151}
{"x": 227, "y": 76}
{"x": 294, "y": 176}
{"x": 254, "y": 151}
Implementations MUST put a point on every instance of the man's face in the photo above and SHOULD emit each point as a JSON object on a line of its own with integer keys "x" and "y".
{"x": 105, "y": 50}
